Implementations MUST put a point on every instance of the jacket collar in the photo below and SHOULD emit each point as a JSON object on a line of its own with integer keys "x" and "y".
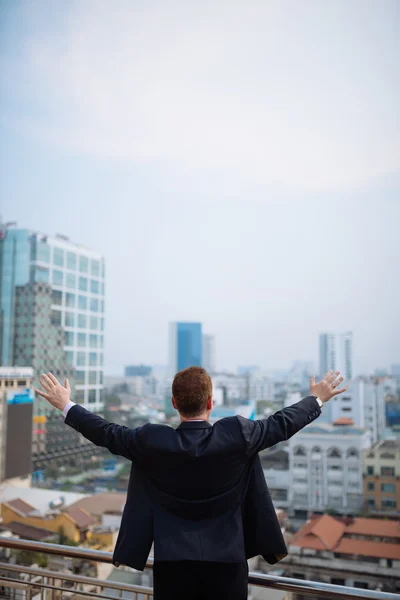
{"x": 194, "y": 425}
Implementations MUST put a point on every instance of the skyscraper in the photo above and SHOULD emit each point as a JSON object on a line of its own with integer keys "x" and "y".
{"x": 74, "y": 277}
{"x": 336, "y": 353}
{"x": 209, "y": 354}
{"x": 185, "y": 346}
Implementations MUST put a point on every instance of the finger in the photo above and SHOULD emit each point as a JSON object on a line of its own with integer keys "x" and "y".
{"x": 66, "y": 385}
{"x": 336, "y": 383}
{"x": 48, "y": 381}
{"x": 334, "y": 375}
{"x": 327, "y": 376}
{"x": 41, "y": 394}
{"x": 336, "y": 392}
{"x": 45, "y": 384}
{"x": 313, "y": 380}
{"x": 53, "y": 379}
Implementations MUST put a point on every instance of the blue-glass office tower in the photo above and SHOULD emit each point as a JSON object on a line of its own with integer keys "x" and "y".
{"x": 185, "y": 346}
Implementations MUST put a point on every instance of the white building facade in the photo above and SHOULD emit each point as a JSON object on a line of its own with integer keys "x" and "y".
{"x": 336, "y": 353}
{"x": 326, "y": 468}
{"x": 209, "y": 353}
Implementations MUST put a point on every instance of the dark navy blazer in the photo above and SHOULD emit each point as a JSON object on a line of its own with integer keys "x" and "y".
{"x": 198, "y": 492}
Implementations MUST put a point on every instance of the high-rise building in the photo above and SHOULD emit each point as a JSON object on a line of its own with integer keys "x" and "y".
{"x": 209, "y": 353}
{"x": 16, "y": 411}
{"x": 74, "y": 276}
{"x": 185, "y": 346}
{"x": 336, "y": 353}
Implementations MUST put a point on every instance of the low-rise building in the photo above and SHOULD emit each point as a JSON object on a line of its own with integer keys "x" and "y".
{"x": 361, "y": 553}
{"x": 381, "y": 471}
{"x": 326, "y": 468}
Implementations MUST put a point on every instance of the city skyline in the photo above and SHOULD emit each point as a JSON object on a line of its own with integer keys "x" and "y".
{"x": 251, "y": 184}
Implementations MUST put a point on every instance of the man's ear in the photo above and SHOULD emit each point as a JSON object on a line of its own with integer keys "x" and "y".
{"x": 209, "y": 403}
{"x": 174, "y": 403}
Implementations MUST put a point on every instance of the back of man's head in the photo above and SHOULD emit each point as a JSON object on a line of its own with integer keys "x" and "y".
{"x": 191, "y": 390}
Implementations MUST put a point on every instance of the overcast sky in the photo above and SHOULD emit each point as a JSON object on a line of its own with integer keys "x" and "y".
{"x": 237, "y": 163}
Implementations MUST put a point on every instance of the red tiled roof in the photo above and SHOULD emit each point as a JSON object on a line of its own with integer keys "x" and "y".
{"x": 363, "y": 548}
{"x": 378, "y": 527}
{"x": 21, "y": 507}
{"x": 81, "y": 517}
{"x": 343, "y": 421}
{"x": 29, "y": 532}
{"x": 99, "y": 504}
{"x": 321, "y": 533}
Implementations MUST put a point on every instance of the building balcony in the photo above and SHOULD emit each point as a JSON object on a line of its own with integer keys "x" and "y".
{"x": 34, "y": 583}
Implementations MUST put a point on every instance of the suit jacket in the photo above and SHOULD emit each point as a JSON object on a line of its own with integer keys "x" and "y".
{"x": 198, "y": 492}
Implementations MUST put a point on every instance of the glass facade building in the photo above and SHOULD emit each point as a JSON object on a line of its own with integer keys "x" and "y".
{"x": 75, "y": 278}
{"x": 185, "y": 346}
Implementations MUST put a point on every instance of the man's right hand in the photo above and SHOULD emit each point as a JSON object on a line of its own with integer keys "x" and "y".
{"x": 326, "y": 389}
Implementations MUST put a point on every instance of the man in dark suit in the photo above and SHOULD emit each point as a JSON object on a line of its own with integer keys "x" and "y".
{"x": 198, "y": 492}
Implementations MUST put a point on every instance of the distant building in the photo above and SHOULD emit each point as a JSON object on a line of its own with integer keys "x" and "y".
{"x": 138, "y": 371}
{"x": 326, "y": 468}
{"x": 336, "y": 354}
{"x": 395, "y": 371}
{"x": 381, "y": 470}
{"x": 185, "y": 346}
{"x": 16, "y": 413}
{"x": 209, "y": 353}
{"x": 74, "y": 277}
{"x": 361, "y": 553}
{"x": 247, "y": 370}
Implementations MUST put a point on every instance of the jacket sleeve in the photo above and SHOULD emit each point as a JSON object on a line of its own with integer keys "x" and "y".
{"x": 118, "y": 439}
{"x": 281, "y": 426}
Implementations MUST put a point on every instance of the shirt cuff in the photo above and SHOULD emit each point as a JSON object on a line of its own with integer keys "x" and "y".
{"x": 320, "y": 402}
{"x": 67, "y": 407}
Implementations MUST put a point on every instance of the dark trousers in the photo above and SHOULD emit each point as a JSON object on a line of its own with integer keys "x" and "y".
{"x": 200, "y": 580}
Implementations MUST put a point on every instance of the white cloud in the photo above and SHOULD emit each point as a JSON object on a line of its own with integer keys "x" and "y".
{"x": 296, "y": 93}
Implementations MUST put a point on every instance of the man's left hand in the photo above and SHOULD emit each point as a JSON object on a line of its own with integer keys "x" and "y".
{"x": 54, "y": 392}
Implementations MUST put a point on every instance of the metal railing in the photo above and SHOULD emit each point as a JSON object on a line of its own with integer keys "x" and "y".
{"x": 51, "y": 585}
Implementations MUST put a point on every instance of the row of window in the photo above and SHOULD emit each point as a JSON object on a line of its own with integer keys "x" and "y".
{"x": 92, "y": 359}
{"x": 89, "y": 377}
{"x": 69, "y": 280}
{"x": 83, "y": 340}
{"x": 389, "y": 488}
{"x": 91, "y": 397}
{"x": 70, "y": 260}
{"x": 385, "y": 471}
{"x": 81, "y": 302}
{"x": 331, "y": 452}
{"x": 80, "y": 321}
{"x": 386, "y": 502}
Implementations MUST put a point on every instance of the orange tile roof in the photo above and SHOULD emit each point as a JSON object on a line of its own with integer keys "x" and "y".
{"x": 362, "y": 548}
{"x": 81, "y": 517}
{"x": 343, "y": 421}
{"x": 321, "y": 533}
{"x": 378, "y": 527}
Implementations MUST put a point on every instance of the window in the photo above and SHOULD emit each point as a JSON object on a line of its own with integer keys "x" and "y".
{"x": 70, "y": 300}
{"x": 94, "y": 305}
{"x": 71, "y": 261}
{"x": 68, "y": 338}
{"x": 57, "y": 277}
{"x": 387, "y": 471}
{"x": 94, "y": 286}
{"x": 58, "y": 257}
{"x": 43, "y": 252}
{"x": 93, "y": 323}
{"x": 334, "y": 453}
{"x": 101, "y": 376}
{"x": 352, "y": 452}
{"x": 101, "y": 358}
{"x": 83, "y": 264}
{"x": 387, "y": 455}
{"x": 56, "y": 297}
{"x": 70, "y": 281}
{"x": 300, "y": 480}
{"x": 81, "y": 321}
{"x": 102, "y": 324}
{"x": 56, "y": 317}
{"x": 102, "y": 306}
{"x": 346, "y": 409}
{"x": 69, "y": 319}
{"x": 69, "y": 357}
{"x": 93, "y": 340}
{"x": 79, "y": 396}
{"x": 334, "y": 468}
{"x": 81, "y": 340}
{"x": 370, "y": 470}
{"x": 82, "y": 302}
{"x": 102, "y": 289}
{"x": 80, "y": 377}
{"x": 83, "y": 284}
{"x": 371, "y": 486}
{"x": 353, "y": 469}
{"x": 371, "y": 502}
{"x": 389, "y": 488}
{"x": 101, "y": 341}
{"x": 92, "y": 359}
{"x": 41, "y": 275}
{"x": 361, "y": 584}
{"x": 389, "y": 503}
{"x": 95, "y": 268}
{"x": 81, "y": 359}
{"x": 92, "y": 396}
{"x": 92, "y": 377}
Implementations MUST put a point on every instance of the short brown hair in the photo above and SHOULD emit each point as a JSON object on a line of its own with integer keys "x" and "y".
{"x": 191, "y": 390}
